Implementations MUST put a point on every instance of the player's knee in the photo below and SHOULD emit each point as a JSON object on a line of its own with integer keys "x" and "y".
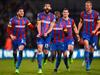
{"x": 87, "y": 48}
{"x": 20, "y": 53}
{"x": 86, "y": 44}
{"x": 91, "y": 49}
{"x": 39, "y": 49}
{"x": 21, "y": 47}
{"x": 46, "y": 51}
{"x": 65, "y": 54}
{"x": 70, "y": 47}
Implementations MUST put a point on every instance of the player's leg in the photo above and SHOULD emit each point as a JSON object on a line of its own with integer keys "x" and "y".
{"x": 45, "y": 56}
{"x": 87, "y": 51}
{"x": 93, "y": 42}
{"x": 58, "y": 60}
{"x": 40, "y": 43}
{"x": 53, "y": 52}
{"x": 53, "y": 56}
{"x": 15, "y": 56}
{"x": 70, "y": 49}
{"x": 15, "y": 46}
{"x": 91, "y": 54}
{"x": 19, "y": 59}
{"x": 65, "y": 58}
{"x": 47, "y": 41}
{"x": 34, "y": 56}
{"x": 39, "y": 57}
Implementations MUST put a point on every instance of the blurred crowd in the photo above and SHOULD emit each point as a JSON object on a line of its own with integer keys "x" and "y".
{"x": 32, "y": 7}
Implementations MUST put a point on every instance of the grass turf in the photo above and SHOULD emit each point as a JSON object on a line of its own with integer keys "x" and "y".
{"x": 31, "y": 68}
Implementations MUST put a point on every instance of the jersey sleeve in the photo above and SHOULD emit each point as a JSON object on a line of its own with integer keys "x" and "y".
{"x": 10, "y": 26}
{"x": 29, "y": 24}
{"x": 38, "y": 17}
{"x": 73, "y": 22}
{"x": 10, "y": 22}
{"x": 53, "y": 18}
{"x": 98, "y": 17}
{"x": 27, "y": 21}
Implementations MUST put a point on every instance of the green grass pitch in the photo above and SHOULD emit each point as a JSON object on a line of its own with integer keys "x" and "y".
{"x": 30, "y": 68}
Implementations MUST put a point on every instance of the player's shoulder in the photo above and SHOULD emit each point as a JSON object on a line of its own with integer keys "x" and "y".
{"x": 51, "y": 14}
{"x": 13, "y": 18}
{"x": 71, "y": 19}
{"x": 82, "y": 12}
{"x": 25, "y": 18}
{"x": 40, "y": 13}
{"x": 61, "y": 19}
{"x": 95, "y": 12}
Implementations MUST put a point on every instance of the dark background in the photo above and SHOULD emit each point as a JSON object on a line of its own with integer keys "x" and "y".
{"x": 32, "y": 7}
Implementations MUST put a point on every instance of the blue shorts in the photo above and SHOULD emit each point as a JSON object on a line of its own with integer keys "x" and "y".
{"x": 18, "y": 42}
{"x": 57, "y": 46}
{"x": 92, "y": 40}
{"x": 69, "y": 42}
{"x": 44, "y": 41}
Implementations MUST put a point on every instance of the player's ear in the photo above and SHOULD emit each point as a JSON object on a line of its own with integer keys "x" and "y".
{"x": 62, "y": 13}
{"x": 17, "y": 13}
{"x": 50, "y": 8}
{"x": 44, "y": 7}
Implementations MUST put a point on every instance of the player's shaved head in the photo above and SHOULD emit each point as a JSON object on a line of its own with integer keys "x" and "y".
{"x": 88, "y": 6}
{"x": 88, "y": 2}
{"x": 57, "y": 14}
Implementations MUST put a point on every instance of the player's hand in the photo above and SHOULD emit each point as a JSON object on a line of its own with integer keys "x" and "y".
{"x": 78, "y": 38}
{"x": 81, "y": 42}
{"x": 45, "y": 34}
{"x": 93, "y": 32}
{"x": 13, "y": 37}
{"x": 38, "y": 35}
{"x": 97, "y": 33}
{"x": 65, "y": 30}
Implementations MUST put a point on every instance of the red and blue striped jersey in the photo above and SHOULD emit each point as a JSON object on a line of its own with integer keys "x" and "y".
{"x": 89, "y": 21}
{"x": 69, "y": 25}
{"x": 18, "y": 27}
{"x": 46, "y": 20}
{"x": 57, "y": 33}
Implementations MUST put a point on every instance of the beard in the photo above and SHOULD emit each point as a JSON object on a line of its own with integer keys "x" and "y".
{"x": 47, "y": 11}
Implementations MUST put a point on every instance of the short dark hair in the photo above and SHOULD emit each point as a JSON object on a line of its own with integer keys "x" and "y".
{"x": 47, "y": 3}
{"x": 66, "y": 9}
{"x": 56, "y": 12}
{"x": 21, "y": 7}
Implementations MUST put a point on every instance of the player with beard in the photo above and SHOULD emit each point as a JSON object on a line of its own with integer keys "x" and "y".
{"x": 45, "y": 23}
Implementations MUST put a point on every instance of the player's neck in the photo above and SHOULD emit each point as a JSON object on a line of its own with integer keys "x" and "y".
{"x": 89, "y": 11}
{"x": 46, "y": 12}
{"x": 19, "y": 17}
{"x": 65, "y": 18}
